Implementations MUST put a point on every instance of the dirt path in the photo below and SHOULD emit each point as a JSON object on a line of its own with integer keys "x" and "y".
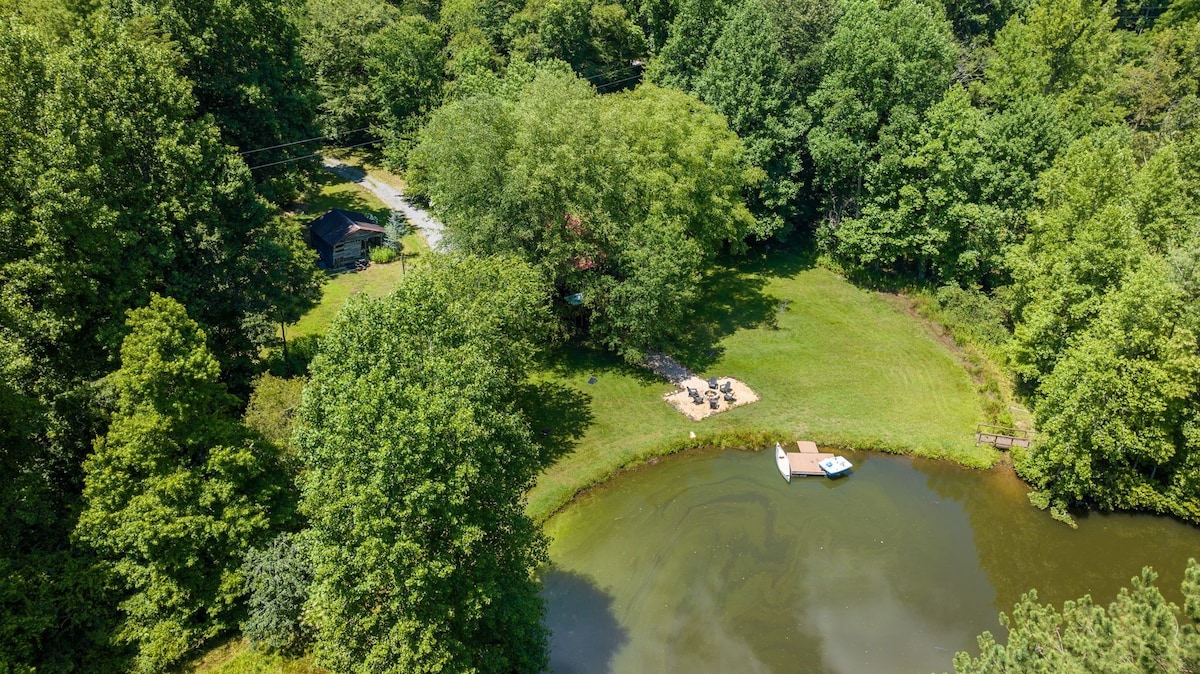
{"x": 429, "y": 226}
{"x": 667, "y": 367}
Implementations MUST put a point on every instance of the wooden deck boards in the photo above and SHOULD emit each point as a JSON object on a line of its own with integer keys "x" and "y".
{"x": 1000, "y": 441}
{"x": 807, "y": 447}
{"x": 806, "y": 463}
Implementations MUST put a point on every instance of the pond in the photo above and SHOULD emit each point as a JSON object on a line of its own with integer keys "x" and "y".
{"x": 710, "y": 562}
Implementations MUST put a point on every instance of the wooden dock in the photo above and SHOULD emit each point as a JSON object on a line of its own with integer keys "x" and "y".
{"x": 1002, "y": 437}
{"x": 805, "y": 461}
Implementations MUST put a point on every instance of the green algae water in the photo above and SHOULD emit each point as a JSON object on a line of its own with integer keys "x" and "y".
{"x": 710, "y": 562}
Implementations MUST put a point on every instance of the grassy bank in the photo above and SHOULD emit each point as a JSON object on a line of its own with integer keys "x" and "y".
{"x": 237, "y": 657}
{"x": 830, "y": 362}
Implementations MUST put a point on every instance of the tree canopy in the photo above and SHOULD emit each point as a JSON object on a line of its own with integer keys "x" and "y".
{"x": 417, "y": 464}
{"x": 176, "y": 490}
{"x": 1139, "y": 631}
{"x": 378, "y": 71}
{"x": 243, "y": 60}
{"x": 117, "y": 189}
{"x": 623, "y": 199}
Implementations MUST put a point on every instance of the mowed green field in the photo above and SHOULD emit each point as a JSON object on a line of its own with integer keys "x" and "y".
{"x": 844, "y": 367}
{"x": 841, "y": 365}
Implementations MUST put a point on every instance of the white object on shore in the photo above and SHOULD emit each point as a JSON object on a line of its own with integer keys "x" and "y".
{"x": 781, "y": 462}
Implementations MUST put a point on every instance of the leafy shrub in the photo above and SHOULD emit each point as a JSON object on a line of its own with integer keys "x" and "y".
{"x": 272, "y": 403}
{"x": 382, "y": 255}
{"x": 972, "y": 311}
{"x": 278, "y": 577}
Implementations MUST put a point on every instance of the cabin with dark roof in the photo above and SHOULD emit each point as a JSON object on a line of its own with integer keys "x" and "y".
{"x": 344, "y": 237}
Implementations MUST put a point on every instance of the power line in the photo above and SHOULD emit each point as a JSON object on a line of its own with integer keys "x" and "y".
{"x": 306, "y": 140}
{"x": 314, "y": 155}
{"x": 608, "y": 73}
{"x": 609, "y": 84}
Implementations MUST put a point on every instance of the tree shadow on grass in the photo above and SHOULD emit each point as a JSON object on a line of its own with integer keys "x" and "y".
{"x": 736, "y": 299}
{"x": 580, "y": 361}
{"x": 585, "y": 636}
{"x": 300, "y": 353}
{"x": 349, "y": 172}
{"x": 559, "y": 416}
{"x": 320, "y": 201}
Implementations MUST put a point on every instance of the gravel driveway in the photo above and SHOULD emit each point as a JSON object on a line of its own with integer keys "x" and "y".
{"x": 429, "y": 226}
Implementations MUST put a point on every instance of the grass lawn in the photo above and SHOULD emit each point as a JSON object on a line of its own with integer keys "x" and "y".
{"x": 377, "y": 280}
{"x": 844, "y": 367}
{"x": 841, "y": 365}
{"x": 237, "y": 657}
{"x": 369, "y": 161}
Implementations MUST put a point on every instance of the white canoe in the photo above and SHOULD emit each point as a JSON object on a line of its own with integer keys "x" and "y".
{"x": 835, "y": 466}
{"x": 781, "y": 461}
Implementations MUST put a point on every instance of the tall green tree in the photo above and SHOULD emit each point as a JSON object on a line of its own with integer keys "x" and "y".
{"x": 116, "y": 190}
{"x": 906, "y": 69}
{"x": 177, "y": 490}
{"x": 417, "y": 464}
{"x": 760, "y": 72}
{"x": 113, "y": 191}
{"x": 1140, "y": 631}
{"x": 1180, "y": 11}
{"x": 1104, "y": 304}
{"x": 278, "y": 577}
{"x": 336, "y": 47}
{"x": 1118, "y": 407}
{"x": 56, "y": 605}
{"x": 978, "y": 20}
{"x": 243, "y": 58}
{"x": 621, "y": 200}
{"x": 407, "y": 70}
{"x": 925, "y": 205}
{"x": 949, "y": 195}
{"x": 53, "y": 19}
{"x": 599, "y": 39}
{"x": 376, "y": 69}
{"x": 133, "y": 195}
{"x": 1066, "y": 50}
{"x": 1082, "y": 241}
{"x": 693, "y": 31}
{"x": 1161, "y": 86}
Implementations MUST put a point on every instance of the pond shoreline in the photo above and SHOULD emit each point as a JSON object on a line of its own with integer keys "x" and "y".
{"x": 712, "y": 558}
{"x": 754, "y": 442}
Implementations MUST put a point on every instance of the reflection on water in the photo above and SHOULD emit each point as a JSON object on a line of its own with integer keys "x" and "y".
{"x": 1021, "y": 548}
{"x": 586, "y": 634}
{"x": 709, "y": 562}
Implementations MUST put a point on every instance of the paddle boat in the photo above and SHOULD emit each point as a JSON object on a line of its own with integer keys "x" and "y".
{"x": 835, "y": 466}
{"x": 781, "y": 462}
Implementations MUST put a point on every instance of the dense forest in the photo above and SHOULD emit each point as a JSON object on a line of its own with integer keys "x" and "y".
{"x": 1032, "y": 164}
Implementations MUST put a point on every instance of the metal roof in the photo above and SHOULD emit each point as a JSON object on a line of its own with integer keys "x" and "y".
{"x": 337, "y": 224}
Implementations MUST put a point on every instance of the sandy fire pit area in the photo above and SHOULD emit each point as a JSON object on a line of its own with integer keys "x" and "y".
{"x": 682, "y": 401}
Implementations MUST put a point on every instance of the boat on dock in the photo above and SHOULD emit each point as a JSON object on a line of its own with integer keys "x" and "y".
{"x": 835, "y": 466}
{"x": 809, "y": 461}
{"x": 782, "y": 463}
